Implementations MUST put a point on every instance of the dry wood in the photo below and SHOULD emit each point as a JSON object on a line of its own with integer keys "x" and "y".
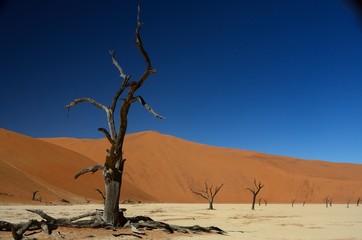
{"x": 92, "y": 169}
{"x": 137, "y": 224}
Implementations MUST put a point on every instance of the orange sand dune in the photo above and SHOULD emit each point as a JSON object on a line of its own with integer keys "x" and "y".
{"x": 28, "y": 165}
{"x": 166, "y": 167}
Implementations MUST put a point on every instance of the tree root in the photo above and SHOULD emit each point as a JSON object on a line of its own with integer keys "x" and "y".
{"x": 137, "y": 224}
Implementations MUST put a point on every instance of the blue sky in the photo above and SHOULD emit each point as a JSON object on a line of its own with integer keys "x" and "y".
{"x": 281, "y": 77}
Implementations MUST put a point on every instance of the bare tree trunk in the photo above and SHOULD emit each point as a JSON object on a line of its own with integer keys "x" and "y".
{"x": 327, "y": 201}
{"x": 253, "y": 203}
{"x": 211, "y": 205}
{"x": 111, "y": 203}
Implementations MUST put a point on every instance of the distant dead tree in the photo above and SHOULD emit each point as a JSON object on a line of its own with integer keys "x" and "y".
{"x": 208, "y": 193}
{"x": 348, "y": 202}
{"x": 35, "y": 197}
{"x": 114, "y": 161}
{"x": 255, "y": 190}
{"x": 265, "y": 202}
{"x": 326, "y": 200}
{"x": 259, "y": 201}
{"x": 293, "y": 201}
{"x": 358, "y": 201}
{"x": 303, "y": 203}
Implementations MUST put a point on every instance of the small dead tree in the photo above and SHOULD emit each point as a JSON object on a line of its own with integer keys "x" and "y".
{"x": 293, "y": 201}
{"x": 265, "y": 202}
{"x": 114, "y": 162}
{"x": 208, "y": 193}
{"x": 348, "y": 202}
{"x": 326, "y": 201}
{"x": 255, "y": 190}
{"x": 35, "y": 197}
{"x": 358, "y": 201}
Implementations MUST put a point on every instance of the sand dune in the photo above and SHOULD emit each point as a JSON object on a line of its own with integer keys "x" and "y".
{"x": 166, "y": 167}
{"x": 28, "y": 165}
{"x": 162, "y": 168}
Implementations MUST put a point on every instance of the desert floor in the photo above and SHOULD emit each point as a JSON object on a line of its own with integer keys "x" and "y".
{"x": 275, "y": 221}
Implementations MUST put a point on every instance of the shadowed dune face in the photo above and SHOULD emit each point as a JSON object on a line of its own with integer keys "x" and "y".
{"x": 162, "y": 168}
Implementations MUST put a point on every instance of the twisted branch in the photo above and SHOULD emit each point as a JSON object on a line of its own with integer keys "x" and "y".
{"x": 121, "y": 72}
{"x": 108, "y": 136}
{"x": 148, "y": 108}
{"x": 92, "y": 169}
{"x": 89, "y": 100}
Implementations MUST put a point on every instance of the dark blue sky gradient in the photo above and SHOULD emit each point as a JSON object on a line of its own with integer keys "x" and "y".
{"x": 281, "y": 77}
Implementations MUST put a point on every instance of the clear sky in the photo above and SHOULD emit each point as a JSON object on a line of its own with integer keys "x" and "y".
{"x": 280, "y": 77}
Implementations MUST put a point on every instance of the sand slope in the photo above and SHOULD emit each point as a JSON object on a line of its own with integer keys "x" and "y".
{"x": 28, "y": 165}
{"x": 166, "y": 167}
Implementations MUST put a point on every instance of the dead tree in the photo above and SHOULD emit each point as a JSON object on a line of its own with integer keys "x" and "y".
{"x": 35, "y": 197}
{"x": 326, "y": 200}
{"x": 348, "y": 202}
{"x": 358, "y": 201}
{"x": 293, "y": 201}
{"x": 114, "y": 162}
{"x": 255, "y": 190}
{"x": 208, "y": 193}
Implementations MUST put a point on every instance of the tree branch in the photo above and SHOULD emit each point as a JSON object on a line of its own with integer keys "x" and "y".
{"x": 251, "y": 190}
{"x": 121, "y": 72}
{"x": 217, "y": 189}
{"x": 200, "y": 193}
{"x": 139, "y": 44}
{"x": 89, "y": 100}
{"x": 139, "y": 40}
{"x": 108, "y": 136}
{"x": 148, "y": 108}
{"x": 92, "y": 169}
